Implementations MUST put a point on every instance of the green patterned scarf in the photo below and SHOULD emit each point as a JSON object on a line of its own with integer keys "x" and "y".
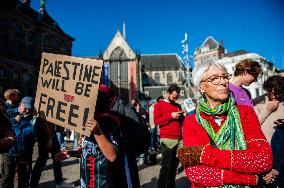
{"x": 230, "y": 136}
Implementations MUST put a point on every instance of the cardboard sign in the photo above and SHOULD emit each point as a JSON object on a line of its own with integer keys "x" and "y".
{"x": 67, "y": 90}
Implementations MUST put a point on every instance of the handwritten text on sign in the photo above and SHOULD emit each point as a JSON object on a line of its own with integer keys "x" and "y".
{"x": 67, "y": 90}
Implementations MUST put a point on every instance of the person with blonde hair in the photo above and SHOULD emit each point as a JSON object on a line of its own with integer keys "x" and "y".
{"x": 12, "y": 97}
{"x": 246, "y": 72}
{"x": 223, "y": 143}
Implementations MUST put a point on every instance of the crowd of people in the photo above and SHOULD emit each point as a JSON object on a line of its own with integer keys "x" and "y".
{"x": 230, "y": 141}
{"x": 22, "y": 126}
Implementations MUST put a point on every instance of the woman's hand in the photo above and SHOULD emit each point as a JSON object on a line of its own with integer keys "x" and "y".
{"x": 279, "y": 122}
{"x": 272, "y": 105}
{"x": 189, "y": 156}
{"x": 93, "y": 126}
{"x": 63, "y": 155}
{"x": 270, "y": 177}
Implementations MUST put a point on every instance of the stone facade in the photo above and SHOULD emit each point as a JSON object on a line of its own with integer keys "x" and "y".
{"x": 121, "y": 69}
{"x": 144, "y": 77}
{"x": 209, "y": 50}
{"x": 24, "y": 35}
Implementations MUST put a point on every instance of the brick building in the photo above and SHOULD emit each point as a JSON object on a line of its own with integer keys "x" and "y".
{"x": 24, "y": 34}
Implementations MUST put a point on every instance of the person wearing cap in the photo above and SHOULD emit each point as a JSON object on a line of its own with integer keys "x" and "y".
{"x": 20, "y": 154}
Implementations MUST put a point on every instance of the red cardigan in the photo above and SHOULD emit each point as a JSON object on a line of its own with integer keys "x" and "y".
{"x": 169, "y": 127}
{"x": 221, "y": 167}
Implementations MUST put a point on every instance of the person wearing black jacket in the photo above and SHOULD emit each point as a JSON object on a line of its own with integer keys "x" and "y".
{"x": 6, "y": 132}
{"x": 135, "y": 133}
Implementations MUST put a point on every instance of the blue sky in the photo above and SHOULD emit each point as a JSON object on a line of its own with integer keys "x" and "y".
{"x": 158, "y": 26}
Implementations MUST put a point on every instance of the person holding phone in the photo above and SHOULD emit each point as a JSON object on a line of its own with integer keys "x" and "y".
{"x": 168, "y": 116}
{"x": 271, "y": 108}
{"x": 271, "y": 117}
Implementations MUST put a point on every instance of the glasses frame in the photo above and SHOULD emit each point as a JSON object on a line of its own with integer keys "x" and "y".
{"x": 226, "y": 77}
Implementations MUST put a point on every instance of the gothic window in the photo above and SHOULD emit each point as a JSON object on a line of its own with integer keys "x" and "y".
{"x": 16, "y": 75}
{"x": 157, "y": 78}
{"x": 169, "y": 78}
{"x": 17, "y": 47}
{"x": 27, "y": 78}
{"x": 19, "y": 31}
{"x": 145, "y": 79}
{"x": 118, "y": 54}
{"x": 124, "y": 71}
{"x": 31, "y": 36}
{"x": 114, "y": 71}
{"x": 30, "y": 51}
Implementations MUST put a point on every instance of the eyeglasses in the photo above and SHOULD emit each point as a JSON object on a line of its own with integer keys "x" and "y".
{"x": 215, "y": 79}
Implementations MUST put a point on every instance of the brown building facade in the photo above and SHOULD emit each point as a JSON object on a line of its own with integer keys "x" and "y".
{"x": 24, "y": 35}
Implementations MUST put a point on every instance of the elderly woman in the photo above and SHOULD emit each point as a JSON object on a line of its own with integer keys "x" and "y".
{"x": 223, "y": 143}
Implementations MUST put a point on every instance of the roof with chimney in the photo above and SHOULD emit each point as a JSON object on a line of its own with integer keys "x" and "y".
{"x": 209, "y": 42}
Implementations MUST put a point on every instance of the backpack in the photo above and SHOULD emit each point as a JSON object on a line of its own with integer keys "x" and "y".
{"x": 24, "y": 137}
{"x": 135, "y": 133}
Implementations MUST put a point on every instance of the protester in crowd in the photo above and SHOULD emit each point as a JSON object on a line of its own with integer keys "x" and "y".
{"x": 102, "y": 154}
{"x": 271, "y": 107}
{"x": 12, "y": 97}
{"x": 169, "y": 116}
{"x": 271, "y": 117}
{"x": 246, "y": 72}
{"x": 136, "y": 136}
{"x": 6, "y": 131}
{"x": 276, "y": 175}
{"x": 140, "y": 110}
{"x": 20, "y": 154}
{"x": 7, "y": 137}
{"x": 223, "y": 142}
{"x": 48, "y": 142}
{"x": 143, "y": 114}
{"x": 152, "y": 153}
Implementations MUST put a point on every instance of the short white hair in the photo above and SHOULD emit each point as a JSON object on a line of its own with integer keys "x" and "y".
{"x": 199, "y": 71}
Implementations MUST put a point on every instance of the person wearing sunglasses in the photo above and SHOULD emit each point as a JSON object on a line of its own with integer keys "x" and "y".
{"x": 223, "y": 143}
{"x": 246, "y": 72}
